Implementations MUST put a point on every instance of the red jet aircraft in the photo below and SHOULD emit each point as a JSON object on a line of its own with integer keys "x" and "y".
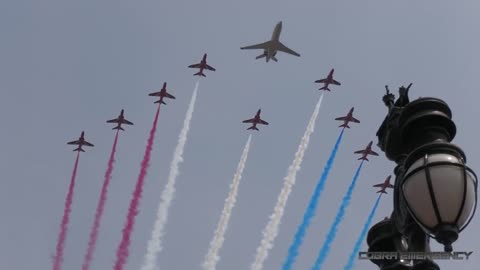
{"x": 384, "y": 185}
{"x": 367, "y": 151}
{"x": 348, "y": 118}
{"x": 162, "y": 94}
{"x": 327, "y": 81}
{"x": 202, "y": 65}
{"x": 120, "y": 120}
{"x": 81, "y": 141}
{"x": 255, "y": 120}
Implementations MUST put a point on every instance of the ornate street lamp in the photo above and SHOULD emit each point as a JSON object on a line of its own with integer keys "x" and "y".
{"x": 435, "y": 194}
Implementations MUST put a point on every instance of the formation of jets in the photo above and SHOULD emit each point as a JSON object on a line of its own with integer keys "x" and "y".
{"x": 384, "y": 185}
{"x": 270, "y": 49}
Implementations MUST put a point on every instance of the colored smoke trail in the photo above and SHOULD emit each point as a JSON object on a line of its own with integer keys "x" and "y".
{"x": 358, "y": 244}
{"x": 338, "y": 219}
{"x": 122, "y": 251}
{"x": 212, "y": 257}
{"x": 312, "y": 206}
{"x": 62, "y": 236}
{"x": 155, "y": 243}
{"x": 101, "y": 205}
{"x": 270, "y": 231}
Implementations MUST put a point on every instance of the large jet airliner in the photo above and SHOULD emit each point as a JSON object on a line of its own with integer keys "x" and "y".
{"x": 271, "y": 47}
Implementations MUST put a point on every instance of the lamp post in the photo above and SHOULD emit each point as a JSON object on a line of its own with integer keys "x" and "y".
{"x": 435, "y": 193}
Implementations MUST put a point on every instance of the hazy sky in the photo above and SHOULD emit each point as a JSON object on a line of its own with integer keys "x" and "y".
{"x": 68, "y": 66}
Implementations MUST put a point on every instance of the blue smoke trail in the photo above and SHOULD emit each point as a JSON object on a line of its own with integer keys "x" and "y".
{"x": 358, "y": 244}
{"x": 310, "y": 212}
{"x": 338, "y": 219}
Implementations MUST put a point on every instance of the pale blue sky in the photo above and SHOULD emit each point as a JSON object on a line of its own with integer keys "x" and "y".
{"x": 68, "y": 66}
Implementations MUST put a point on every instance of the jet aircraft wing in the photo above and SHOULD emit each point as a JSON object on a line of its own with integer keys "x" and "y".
{"x": 285, "y": 49}
{"x": 74, "y": 142}
{"x": 252, "y": 120}
{"x": 195, "y": 66}
{"x": 113, "y": 121}
{"x": 169, "y": 96}
{"x": 321, "y": 81}
{"x": 335, "y": 82}
{"x": 355, "y": 120}
{"x": 87, "y": 143}
{"x": 263, "y": 45}
{"x": 209, "y": 68}
{"x": 372, "y": 153}
{"x": 126, "y": 122}
{"x": 263, "y": 122}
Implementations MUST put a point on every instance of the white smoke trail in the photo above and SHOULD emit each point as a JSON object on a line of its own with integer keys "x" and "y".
{"x": 155, "y": 242}
{"x": 212, "y": 258}
{"x": 270, "y": 231}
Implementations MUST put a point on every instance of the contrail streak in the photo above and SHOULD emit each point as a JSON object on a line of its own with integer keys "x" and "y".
{"x": 154, "y": 244}
{"x": 62, "y": 236}
{"x": 270, "y": 231}
{"x": 358, "y": 244}
{"x": 311, "y": 209}
{"x": 122, "y": 251}
{"x": 338, "y": 219}
{"x": 92, "y": 242}
{"x": 212, "y": 257}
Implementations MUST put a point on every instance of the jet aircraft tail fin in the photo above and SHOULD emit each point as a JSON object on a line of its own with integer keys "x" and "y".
{"x": 363, "y": 158}
{"x": 160, "y": 101}
{"x": 119, "y": 127}
{"x": 260, "y": 56}
{"x": 344, "y": 125}
{"x": 79, "y": 149}
{"x": 199, "y": 74}
{"x": 324, "y": 88}
{"x": 252, "y": 127}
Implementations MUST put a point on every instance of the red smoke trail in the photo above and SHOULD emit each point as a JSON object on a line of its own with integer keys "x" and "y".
{"x": 101, "y": 205}
{"x": 122, "y": 251}
{"x": 62, "y": 236}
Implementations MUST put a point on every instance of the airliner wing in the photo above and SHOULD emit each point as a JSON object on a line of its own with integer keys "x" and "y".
{"x": 285, "y": 49}
{"x": 263, "y": 45}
